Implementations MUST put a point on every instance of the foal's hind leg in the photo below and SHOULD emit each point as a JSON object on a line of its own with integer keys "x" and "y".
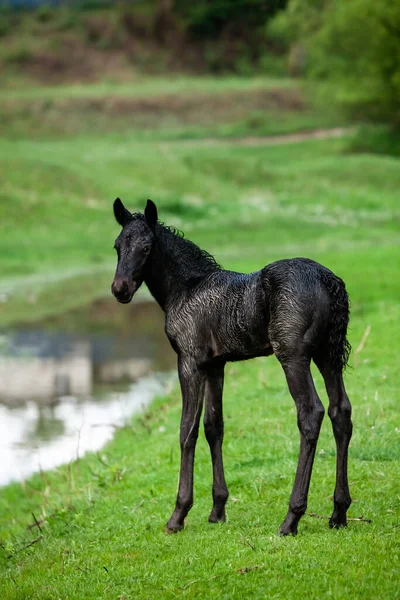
{"x": 310, "y": 413}
{"x": 340, "y": 414}
{"x": 214, "y": 430}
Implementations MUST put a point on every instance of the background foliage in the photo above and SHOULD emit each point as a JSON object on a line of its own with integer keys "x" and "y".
{"x": 355, "y": 45}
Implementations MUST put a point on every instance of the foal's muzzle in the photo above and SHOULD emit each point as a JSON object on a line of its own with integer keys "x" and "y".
{"x": 123, "y": 289}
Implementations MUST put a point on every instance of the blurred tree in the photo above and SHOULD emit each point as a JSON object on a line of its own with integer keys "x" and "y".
{"x": 353, "y": 43}
{"x": 232, "y": 31}
{"x": 208, "y": 18}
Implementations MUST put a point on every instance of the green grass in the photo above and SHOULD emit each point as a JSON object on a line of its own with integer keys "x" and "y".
{"x": 143, "y": 86}
{"x": 104, "y": 530}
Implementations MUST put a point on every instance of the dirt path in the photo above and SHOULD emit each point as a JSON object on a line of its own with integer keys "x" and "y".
{"x": 270, "y": 140}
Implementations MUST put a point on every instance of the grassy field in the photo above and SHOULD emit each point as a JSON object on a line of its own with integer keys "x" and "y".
{"x": 103, "y": 535}
{"x": 154, "y": 108}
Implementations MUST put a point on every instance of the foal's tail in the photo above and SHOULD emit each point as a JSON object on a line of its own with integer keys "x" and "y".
{"x": 338, "y": 346}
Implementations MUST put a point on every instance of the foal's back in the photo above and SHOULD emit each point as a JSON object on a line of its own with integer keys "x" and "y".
{"x": 236, "y": 316}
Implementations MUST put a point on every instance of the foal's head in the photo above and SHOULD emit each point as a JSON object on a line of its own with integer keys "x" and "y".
{"x": 133, "y": 246}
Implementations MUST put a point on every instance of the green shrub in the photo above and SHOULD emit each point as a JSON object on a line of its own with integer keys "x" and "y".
{"x": 355, "y": 44}
{"x": 19, "y": 55}
{"x": 103, "y": 32}
{"x": 5, "y": 25}
{"x": 208, "y": 18}
{"x": 66, "y": 19}
{"x": 44, "y": 13}
{"x": 271, "y": 64}
{"x": 375, "y": 140}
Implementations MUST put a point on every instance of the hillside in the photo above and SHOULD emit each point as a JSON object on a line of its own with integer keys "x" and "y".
{"x": 67, "y": 44}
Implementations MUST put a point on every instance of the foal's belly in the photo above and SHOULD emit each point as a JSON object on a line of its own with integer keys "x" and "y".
{"x": 242, "y": 333}
{"x": 237, "y": 344}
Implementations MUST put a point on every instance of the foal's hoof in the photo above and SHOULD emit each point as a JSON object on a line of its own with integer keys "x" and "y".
{"x": 289, "y": 525}
{"x": 216, "y": 517}
{"x": 287, "y": 530}
{"x": 173, "y": 527}
{"x": 337, "y": 521}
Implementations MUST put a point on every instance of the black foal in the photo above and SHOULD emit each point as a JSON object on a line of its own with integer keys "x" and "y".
{"x": 296, "y": 309}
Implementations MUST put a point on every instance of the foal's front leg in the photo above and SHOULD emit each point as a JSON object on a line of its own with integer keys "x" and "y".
{"x": 192, "y": 381}
{"x": 214, "y": 430}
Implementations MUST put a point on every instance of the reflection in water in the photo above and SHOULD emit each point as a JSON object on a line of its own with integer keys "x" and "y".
{"x": 66, "y": 383}
{"x": 42, "y": 366}
{"x": 47, "y": 425}
{"x": 86, "y": 425}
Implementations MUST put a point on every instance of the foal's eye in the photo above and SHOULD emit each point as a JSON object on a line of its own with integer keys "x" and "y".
{"x": 146, "y": 249}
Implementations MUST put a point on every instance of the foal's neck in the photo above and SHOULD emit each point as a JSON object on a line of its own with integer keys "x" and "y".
{"x": 175, "y": 266}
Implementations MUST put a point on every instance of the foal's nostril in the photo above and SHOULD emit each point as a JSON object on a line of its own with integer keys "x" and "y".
{"x": 119, "y": 287}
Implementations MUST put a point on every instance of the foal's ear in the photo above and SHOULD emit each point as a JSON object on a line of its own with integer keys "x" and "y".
{"x": 150, "y": 213}
{"x": 121, "y": 214}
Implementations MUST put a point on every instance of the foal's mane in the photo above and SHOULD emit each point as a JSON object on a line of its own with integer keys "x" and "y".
{"x": 197, "y": 259}
{"x": 188, "y": 253}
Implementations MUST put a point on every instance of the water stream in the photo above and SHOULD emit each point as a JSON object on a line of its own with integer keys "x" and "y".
{"x": 67, "y": 382}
